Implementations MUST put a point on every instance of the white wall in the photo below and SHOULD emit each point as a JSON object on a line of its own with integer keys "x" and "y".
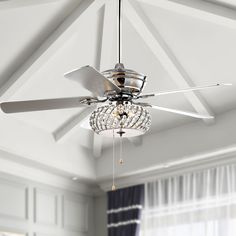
{"x": 101, "y": 215}
{"x": 41, "y": 210}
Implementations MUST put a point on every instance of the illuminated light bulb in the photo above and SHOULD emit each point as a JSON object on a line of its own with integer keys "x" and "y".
{"x": 131, "y": 114}
{"x": 120, "y": 109}
{"x": 115, "y": 114}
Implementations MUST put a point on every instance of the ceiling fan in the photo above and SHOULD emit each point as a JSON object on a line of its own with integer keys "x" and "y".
{"x": 119, "y": 89}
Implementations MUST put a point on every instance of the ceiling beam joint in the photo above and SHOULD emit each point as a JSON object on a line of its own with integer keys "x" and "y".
{"x": 159, "y": 48}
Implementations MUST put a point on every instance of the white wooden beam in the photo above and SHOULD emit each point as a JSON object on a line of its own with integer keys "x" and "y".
{"x": 158, "y": 47}
{"x": 107, "y": 50}
{"x": 53, "y": 43}
{"x": 203, "y": 10}
{"x": 66, "y": 128}
{"x": 105, "y": 53}
{"x": 9, "y": 4}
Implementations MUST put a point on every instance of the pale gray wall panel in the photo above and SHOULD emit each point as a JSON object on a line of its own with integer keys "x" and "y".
{"x": 13, "y": 200}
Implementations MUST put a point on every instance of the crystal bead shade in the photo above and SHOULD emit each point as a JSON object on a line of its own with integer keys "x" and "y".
{"x": 133, "y": 119}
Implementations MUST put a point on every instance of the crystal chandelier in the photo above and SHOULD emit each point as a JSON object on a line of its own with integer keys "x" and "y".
{"x": 123, "y": 119}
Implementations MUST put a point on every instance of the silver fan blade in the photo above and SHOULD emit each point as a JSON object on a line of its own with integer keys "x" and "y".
{"x": 185, "y": 113}
{"x": 182, "y": 90}
{"x": 45, "y": 104}
{"x": 92, "y": 80}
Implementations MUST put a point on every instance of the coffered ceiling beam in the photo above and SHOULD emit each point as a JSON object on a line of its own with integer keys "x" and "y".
{"x": 164, "y": 55}
{"x": 208, "y": 11}
{"x": 9, "y": 4}
{"x": 50, "y": 46}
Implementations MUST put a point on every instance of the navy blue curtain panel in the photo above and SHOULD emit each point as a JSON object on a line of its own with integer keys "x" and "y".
{"x": 124, "y": 211}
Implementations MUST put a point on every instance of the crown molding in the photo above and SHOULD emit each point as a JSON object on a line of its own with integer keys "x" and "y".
{"x": 211, "y": 159}
{"x": 10, "y": 168}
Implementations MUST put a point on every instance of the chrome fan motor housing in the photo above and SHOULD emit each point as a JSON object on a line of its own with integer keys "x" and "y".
{"x": 129, "y": 81}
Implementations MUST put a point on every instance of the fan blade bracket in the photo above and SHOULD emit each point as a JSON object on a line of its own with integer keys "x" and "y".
{"x": 145, "y": 96}
{"x": 143, "y": 104}
{"x": 89, "y": 100}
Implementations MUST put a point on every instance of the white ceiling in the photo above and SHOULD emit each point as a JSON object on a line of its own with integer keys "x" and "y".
{"x": 41, "y": 40}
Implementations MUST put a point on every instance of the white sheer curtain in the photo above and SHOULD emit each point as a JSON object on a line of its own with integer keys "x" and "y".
{"x": 202, "y": 203}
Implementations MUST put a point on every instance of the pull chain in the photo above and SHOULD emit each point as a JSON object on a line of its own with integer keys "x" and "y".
{"x": 113, "y": 188}
{"x": 121, "y": 161}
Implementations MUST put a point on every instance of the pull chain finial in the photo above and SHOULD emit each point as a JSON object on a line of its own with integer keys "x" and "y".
{"x": 121, "y": 161}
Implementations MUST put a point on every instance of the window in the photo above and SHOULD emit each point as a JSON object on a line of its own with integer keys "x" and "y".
{"x": 193, "y": 204}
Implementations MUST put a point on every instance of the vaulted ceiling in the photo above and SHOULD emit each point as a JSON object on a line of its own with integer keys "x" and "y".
{"x": 176, "y": 43}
